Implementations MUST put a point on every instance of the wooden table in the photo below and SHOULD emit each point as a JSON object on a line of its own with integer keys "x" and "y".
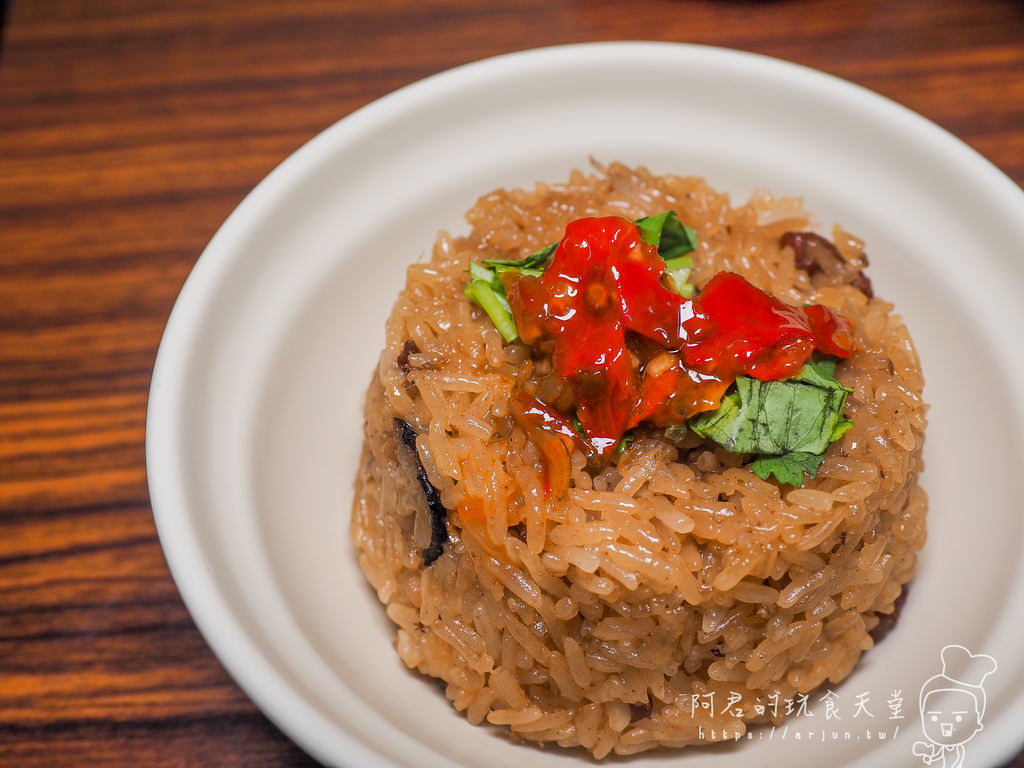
{"x": 129, "y": 129}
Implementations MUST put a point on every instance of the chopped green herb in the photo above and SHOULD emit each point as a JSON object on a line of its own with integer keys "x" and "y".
{"x": 494, "y": 302}
{"x": 668, "y": 233}
{"x": 788, "y": 468}
{"x": 777, "y": 417}
{"x": 479, "y": 272}
{"x": 537, "y": 260}
{"x": 839, "y": 430}
{"x": 487, "y": 290}
{"x": 788, "y": 424}
{"x": 673, "y": 240}
{"x": 678, "y": 271}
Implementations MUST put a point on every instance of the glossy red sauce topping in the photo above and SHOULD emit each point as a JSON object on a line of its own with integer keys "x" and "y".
{"x": 632, "y": 350}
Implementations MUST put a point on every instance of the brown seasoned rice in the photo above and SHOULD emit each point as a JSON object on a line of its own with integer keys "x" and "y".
{"x": 595, "y": 620}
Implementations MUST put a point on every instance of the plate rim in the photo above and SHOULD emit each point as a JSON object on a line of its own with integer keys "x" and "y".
{"x": 220, "y": 627}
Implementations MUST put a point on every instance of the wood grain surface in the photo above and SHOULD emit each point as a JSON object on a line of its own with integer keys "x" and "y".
{"x": 129, "y": 129}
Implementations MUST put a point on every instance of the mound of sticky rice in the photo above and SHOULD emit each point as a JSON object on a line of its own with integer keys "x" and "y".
{"x": 607, "y": 615}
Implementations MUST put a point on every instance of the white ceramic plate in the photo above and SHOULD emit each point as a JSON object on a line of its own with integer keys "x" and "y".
{"x": 255, "y": 428}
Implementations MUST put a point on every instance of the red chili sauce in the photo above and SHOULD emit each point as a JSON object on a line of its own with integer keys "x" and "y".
{"x": 632, "y": 350}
